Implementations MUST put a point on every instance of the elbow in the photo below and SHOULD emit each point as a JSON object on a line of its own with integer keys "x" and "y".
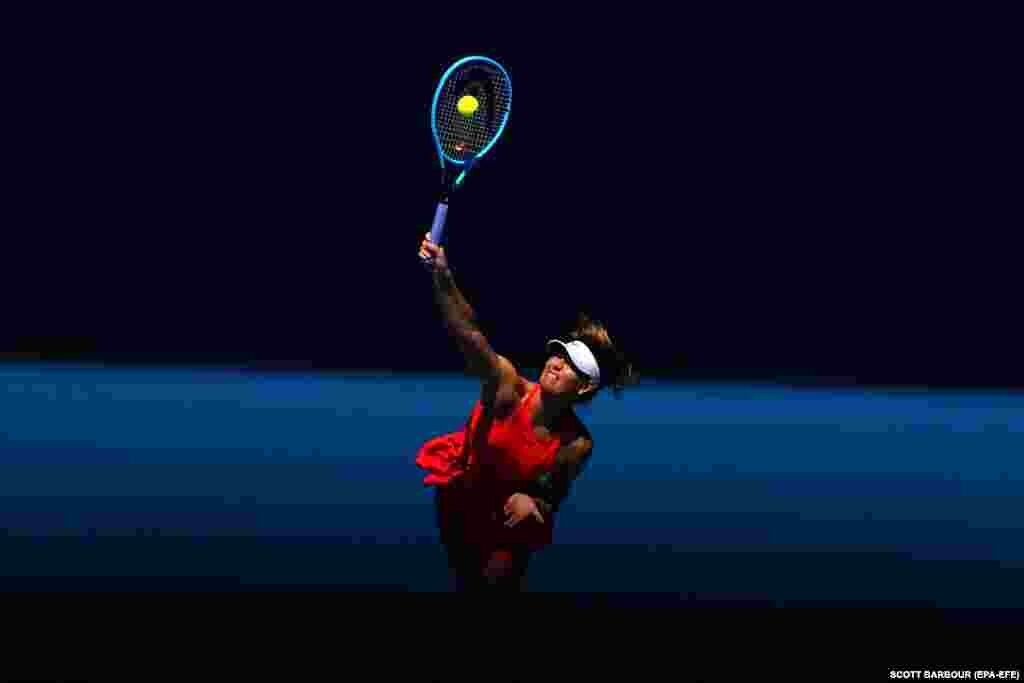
{"x": 460, "y": 330}
{"x": 480, "y": 358}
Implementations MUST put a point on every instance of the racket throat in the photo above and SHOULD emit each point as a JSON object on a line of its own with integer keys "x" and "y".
{"x": 461, "y": 177}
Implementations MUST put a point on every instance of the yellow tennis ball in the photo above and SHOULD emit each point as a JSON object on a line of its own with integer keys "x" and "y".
{"x": 468, "y": 105}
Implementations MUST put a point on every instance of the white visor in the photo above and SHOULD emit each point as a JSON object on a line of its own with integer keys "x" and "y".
{"x": 581, "y": 358}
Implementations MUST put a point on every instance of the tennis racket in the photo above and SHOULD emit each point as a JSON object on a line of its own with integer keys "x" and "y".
{"x": 467, "y": 116}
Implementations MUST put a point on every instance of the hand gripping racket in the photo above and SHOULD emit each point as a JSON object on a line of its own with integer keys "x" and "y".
{"x": 467, "y": 116}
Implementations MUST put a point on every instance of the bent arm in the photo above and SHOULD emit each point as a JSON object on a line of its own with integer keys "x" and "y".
{"x": 550, "y": 490}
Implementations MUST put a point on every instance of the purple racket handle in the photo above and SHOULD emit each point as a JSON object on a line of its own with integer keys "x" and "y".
{"x": 437, "y": 229}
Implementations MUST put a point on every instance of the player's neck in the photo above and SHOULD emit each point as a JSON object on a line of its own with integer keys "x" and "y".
{"x": 550, "y": 409}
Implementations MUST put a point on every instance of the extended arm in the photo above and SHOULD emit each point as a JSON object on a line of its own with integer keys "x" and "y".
{"x": 460, "y": 320}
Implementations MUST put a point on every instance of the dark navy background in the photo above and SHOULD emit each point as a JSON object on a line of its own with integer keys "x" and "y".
{"x": 744, "y": 194}
{"x": 220, "y": 353}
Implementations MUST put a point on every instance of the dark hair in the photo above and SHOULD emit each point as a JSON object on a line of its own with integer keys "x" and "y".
{"x": 616, "y": 371}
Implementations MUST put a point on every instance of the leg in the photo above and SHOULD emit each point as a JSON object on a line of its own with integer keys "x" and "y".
{"x": 505, "y": 570}
{"x": 485, "y": 570}
{"x": 475, "y": 568}
{"x": 464, "y": 564}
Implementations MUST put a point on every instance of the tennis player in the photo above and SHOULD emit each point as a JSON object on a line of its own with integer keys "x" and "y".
{"x": 500, "y": 481}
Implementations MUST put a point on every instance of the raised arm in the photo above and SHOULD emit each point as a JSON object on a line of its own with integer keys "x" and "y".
{"x": 460, "y": 321}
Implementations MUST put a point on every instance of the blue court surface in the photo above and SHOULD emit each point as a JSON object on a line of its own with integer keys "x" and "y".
{"x": 175, "y": 479}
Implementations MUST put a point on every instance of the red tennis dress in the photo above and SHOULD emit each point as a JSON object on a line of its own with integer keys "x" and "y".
{"x": 477, "y": 469}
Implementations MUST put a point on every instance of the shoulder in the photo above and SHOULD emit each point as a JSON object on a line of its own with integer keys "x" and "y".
{"x": 577, "y": 441}
{"x": 574, "y": 452}
{"x": 506, "y": 389}
{"x": 508, "y": 376}
{"x": 578, "y": 433}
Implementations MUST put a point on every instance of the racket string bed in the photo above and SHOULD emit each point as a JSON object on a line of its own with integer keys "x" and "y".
{"x": 465, "y": 136}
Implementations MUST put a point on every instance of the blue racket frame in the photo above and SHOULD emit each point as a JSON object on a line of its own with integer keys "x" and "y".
{"x": 441, "y": 213}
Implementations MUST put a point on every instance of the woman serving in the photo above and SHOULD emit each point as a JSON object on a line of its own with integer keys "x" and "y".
{"x": 500, "y": 481}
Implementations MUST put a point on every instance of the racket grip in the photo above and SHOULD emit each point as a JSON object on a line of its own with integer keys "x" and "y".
{"x": 437, "y": 229}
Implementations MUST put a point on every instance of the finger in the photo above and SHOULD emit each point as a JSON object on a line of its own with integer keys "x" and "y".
{"x": 540, "y": 517}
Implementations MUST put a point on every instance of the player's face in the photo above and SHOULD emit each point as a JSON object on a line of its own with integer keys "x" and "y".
{"x": 558, "y": 377}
